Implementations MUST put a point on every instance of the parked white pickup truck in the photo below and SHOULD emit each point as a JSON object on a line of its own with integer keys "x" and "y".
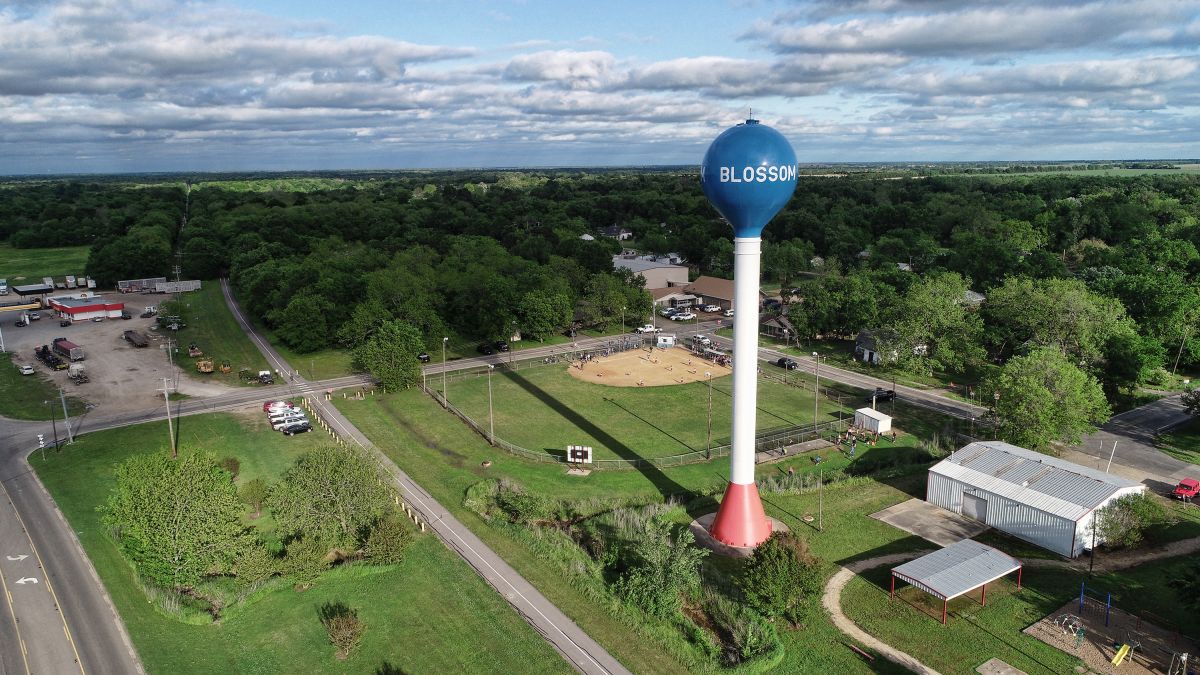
{"x": 648, "y": 328}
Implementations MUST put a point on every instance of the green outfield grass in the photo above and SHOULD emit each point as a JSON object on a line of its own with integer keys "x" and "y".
{"x": 545, "y": 409}
{"x": 430, "y": 614}
{"x": 28, "y": 265}
{"x": 24, "y": 397}
{"x": 212, "y": 327}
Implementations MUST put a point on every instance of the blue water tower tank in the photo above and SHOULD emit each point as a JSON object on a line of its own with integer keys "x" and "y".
{"x": 749, "y": 174}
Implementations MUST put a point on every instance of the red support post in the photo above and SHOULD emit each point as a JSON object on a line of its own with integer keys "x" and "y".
{"x": 945, "y": 604}
{"x": 892, "y": 593}
{"x": 1019, "y": 570}
{"x": 984, "y": 596}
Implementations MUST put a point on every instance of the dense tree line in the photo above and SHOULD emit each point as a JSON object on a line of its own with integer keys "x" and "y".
{"x": 1103, "y": 268}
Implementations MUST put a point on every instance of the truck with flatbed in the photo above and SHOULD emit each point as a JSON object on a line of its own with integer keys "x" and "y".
{"x": 67, "y": 349}
{"x": 135, "y": 338}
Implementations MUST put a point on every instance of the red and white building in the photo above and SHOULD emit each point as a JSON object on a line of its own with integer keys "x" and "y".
{"x": 82, "y": 309}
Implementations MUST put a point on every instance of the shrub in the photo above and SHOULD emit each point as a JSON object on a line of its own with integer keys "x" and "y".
{"x": 1122, "y": 523}
{"x": 344, "y": 627}
{"x": 524, "y": 507}
{"x": 255, "y": 565}
{"x": 744, "y": 634}
{"x": 780, "y": 576}
{"x": 232, "y": 465}
{"x": 305, "y": 559}
{"x": 661, "y": 570}
{"x": 387, "y": 540}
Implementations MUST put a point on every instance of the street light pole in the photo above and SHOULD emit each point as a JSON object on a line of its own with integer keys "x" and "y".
{"x": 491, "y": 420}
{"x": 445, "y": 397}
{"x": 708, "y": 448}
{"x": 622, "y": 319}
{"x": 816, "y": 391}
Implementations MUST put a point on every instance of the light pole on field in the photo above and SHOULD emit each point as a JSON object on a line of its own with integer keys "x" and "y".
{"x": 445, "y": 397}
{"x": 708, "y": 448}
{"x": 622, "y": 319}
{"x": 816, "y": 391}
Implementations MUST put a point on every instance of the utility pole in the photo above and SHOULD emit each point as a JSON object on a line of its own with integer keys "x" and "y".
{"x": 445, "y": 394}
{"x": 53, "y": 424}
{"x": 708, "y": 447}
{"x": 66, "y": 419}
{"x": 491, "y": 420}
{"x": 170, "y": 428}
{"x": 816, "y": 392}
{"x": 1110, "y": 457}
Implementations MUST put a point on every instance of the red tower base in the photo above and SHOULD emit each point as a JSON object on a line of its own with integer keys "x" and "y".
{"x": 741, "y": 521}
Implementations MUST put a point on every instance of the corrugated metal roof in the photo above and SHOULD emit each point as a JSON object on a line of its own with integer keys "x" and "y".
{"x": 956, "y": 569}
{"x": 1046, "y": 483}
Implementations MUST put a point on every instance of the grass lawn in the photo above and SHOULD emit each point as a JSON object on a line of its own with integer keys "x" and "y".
{"x": 213, "y": 329}
{"x": 545, "y": 409}
{"x": 446, "y": 457}
{"x": 323, "y": 365}
{"x": 23, "y": 397}
{"x": 429, "y": 614}
{"x": 1182, "y": 443}
{"x": 23, "y": 266}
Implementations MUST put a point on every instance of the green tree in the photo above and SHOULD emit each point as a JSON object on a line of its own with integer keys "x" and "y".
{"x": 391, "y": 355}
{"x": 1123, "y": 522}
{"x": 330, "y": 494}
{"x": 1062, "y": 313}
{"x": 933, "y": 328}
{"x": 177, "y": 520}
{"x": 301, "y": 324}
{"x": 780, "y": 576}
{"x": 254, "y": 493}
{"x": 1191, "y": 401}
{"x": 545, "y": 313}
{"x": 1045, "y": 398}
{"x": 389, "y": 538}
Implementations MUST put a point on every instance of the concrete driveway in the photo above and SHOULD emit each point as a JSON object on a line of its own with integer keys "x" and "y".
{"x": 930, "y": 522}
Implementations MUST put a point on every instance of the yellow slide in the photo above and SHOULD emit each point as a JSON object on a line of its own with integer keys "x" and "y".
{"x": 1121, "y": 654}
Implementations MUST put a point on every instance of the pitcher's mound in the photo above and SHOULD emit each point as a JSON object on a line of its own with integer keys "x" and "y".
{"x": 645, "y": 368}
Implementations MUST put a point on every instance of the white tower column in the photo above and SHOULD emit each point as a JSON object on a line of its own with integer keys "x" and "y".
{"x": 746, "y": 273}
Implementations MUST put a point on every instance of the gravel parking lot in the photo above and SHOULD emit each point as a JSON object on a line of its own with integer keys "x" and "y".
{"x": 122, "y": 377}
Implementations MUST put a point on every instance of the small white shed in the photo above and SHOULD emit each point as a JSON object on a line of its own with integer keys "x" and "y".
{"x": 664, "y": 341}
{"x": 872, "y": 420}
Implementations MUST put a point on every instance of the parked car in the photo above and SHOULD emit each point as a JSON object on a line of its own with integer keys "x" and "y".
{"x": 64, "y": 323}
{"x": 669, "y": 312}
{"x": 501, "y": 345}
{"x": 648, "y": 328}
{"x": 25, "y": 369}
{"x": 787, "y": 364}
{"x": 277, "y": 404}
{"x": 485, "y": 349}
{"x": 20, "y": 324}
{"x": 683, "y": 316}
{"x": 423, "y": 357}
{"x": 126, "y": 315}
{"x": 34, "y": 316}
{"x": 97, "y": 319}
{"x": 882, "y": 394}
{"x": 1187, "y": 489}
{"x": 702, "y": 339}
{"x": 296, "y": 428}
{"x": 728, "y": 312}
{"x": 712, "y": 308}
{"x": 279, "y": 424}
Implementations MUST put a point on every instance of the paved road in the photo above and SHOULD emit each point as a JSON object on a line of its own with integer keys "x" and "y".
{"x": 1133, "y": 432}
{"x": 580, "y": 650}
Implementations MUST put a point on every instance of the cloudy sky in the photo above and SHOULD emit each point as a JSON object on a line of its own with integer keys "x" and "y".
{"x": 155, "y": 85}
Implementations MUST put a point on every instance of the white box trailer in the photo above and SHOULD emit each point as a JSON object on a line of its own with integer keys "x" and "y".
{"x": 872, "y": 420}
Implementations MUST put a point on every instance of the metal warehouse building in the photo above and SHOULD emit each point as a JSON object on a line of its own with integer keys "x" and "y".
{"x": 1041, "y": 499}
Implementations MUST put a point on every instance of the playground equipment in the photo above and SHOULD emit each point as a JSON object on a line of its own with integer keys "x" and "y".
{"x": 1093, "y": 602}
{"x": 204, "y": 365}
{"x": 1179, "y": 664}
{"x": 1121, "y": 654}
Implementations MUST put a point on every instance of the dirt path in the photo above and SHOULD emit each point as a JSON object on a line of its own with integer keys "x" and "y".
{"x": 832, "y": 597}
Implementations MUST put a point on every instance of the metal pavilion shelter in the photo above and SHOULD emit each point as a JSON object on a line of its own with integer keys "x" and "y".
{"x": 956, "y": 570}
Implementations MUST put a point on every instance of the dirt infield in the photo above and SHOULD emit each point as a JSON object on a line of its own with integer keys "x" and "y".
{"x": 645, "y": 368}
